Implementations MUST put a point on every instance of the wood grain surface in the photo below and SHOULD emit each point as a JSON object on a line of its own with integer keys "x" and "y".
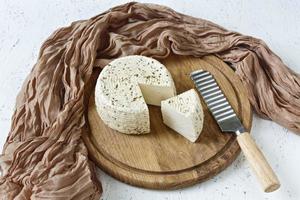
{"x": 163, "y": 159}
{"x": 259, "y": 164}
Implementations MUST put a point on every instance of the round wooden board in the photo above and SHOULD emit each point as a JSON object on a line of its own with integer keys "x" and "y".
{"x": 163, "y": 159}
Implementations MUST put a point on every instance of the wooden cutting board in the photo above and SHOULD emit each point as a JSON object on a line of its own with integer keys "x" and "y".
{"x": 163, "y": 159}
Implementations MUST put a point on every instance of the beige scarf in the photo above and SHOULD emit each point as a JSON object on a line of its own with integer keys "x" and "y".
{"x": 44, "y": 156}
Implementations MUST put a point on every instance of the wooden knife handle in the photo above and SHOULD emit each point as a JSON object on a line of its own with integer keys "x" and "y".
{"x": 258, "y": 163}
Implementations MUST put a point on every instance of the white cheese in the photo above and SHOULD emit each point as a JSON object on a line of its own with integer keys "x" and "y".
{"x": 184, "y": 114}
{"x": 125, "y": 87}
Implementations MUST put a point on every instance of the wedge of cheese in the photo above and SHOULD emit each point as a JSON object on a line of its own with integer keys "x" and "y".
{"x": 125, "y": 87}
{"x": 184, "y": 114}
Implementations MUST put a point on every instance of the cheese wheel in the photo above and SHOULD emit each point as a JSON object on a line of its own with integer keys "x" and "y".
{"x": 125, "y": 87}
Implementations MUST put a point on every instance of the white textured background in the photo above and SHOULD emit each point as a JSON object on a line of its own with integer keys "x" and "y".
{"x": 24, "y": 25}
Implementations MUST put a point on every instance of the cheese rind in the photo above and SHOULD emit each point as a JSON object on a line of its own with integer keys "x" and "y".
{"x": 125, "y": 87}
{"x": 184, "y": 114}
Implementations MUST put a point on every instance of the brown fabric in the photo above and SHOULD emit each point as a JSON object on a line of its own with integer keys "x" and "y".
{"x": 44, "y": 156}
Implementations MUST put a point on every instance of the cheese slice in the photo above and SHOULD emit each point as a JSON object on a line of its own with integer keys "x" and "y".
{"x": 125, "y": 87}
{"x": 184, "y": 114}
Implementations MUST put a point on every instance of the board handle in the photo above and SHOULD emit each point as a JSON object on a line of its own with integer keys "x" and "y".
{"x": 258, "y": 163}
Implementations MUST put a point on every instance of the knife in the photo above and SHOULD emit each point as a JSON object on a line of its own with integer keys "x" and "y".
{"x": 228, "y": 121}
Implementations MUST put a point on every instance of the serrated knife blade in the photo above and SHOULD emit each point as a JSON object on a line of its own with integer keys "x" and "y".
{"x": 228, "y": 121}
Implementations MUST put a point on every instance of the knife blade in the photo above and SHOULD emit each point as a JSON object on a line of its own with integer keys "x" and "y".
{"x": 228, "y": 121}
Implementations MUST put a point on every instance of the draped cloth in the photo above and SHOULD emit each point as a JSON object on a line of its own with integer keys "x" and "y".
{"x": 44, "y": 156}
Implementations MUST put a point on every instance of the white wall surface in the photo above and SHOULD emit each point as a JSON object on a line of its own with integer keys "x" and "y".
{"x": 24, "y": 25}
